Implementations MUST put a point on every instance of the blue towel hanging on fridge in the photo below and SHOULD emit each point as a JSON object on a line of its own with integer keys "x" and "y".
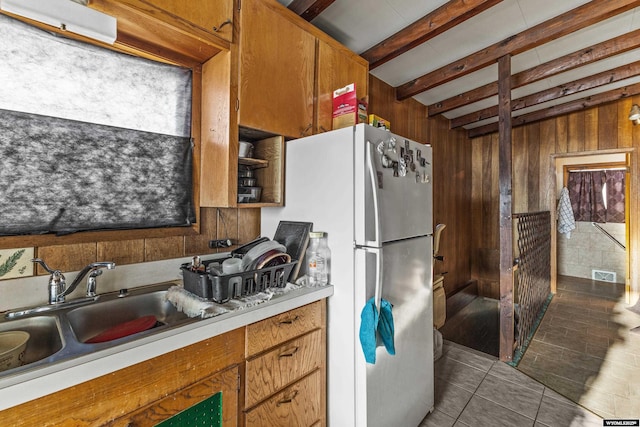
{"x": 374, "y": 324}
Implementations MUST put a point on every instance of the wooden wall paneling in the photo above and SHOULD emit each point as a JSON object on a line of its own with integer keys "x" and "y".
{"x": 576, "y": 132}
{"x": 249, "y": 225}
{"x": 121, "y": 252}
{"x": 520, "y": 162}
{"x": 477, "y": 199}
{"x": 160, "y": 248}
{"x": 67, "y": 257}
{"x": 562, "y": 134}
{"x": 597, "y": 127}
{"x": 199, "y": 244}
{"x": 625, "y": 138}
{"x": 608, "y": 126}
{"x": 591, "y": 129}
{"x": 533, "y": 167}
{"x": 227, "y": 228}
{"x": 547, "y": 186}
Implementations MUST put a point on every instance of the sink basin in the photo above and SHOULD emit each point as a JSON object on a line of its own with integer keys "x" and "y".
{"x": 45, "y": 336}
{"x": 115, "y": 309}
{"x": 58, "y": 333}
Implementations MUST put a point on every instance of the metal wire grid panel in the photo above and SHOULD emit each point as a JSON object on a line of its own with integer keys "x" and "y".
{"x": 533, "y": 276}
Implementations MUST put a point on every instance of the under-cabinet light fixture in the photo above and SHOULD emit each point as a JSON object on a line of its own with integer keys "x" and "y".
{"x": 66, "y": 15}
{"x": 634, "y": 114}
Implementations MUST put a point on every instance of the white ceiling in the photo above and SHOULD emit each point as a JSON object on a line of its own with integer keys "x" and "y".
{"x": 361, "y": 24}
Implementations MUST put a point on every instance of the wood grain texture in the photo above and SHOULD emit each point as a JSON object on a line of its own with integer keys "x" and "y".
{"x": 505, "y": 200}
{"x": 561, "y": 25}
{"x": 219, "y": 145}
{"x": 564, "y": 63}
{"x": 163, "y": 248}
{"x": 576, "y": 133}
{"x": 278, "y": 329}
{"x": 445, "y": 17}
{"x": 296, "y": 405}
{"x": 271, "y": 371}
{"x": 276, "y": 71}
{"x": 271, "y": 178}
{"x": 225, "y": 382}
{"x": 334, "y": 70}
{"x": 121, "y": 252}
{"x": 67, "y": 257}
{"x": 199, "y": 244}
{"x": 144, "y": 27}
{"x": 203, "y": 14}
{"x": 127, "y": 390}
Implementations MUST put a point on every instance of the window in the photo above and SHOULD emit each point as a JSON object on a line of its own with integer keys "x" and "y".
{"x": 90, "y": 139}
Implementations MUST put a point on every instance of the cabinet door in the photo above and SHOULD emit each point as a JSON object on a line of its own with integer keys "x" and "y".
{"x": 277, "y": 62}
{"x": 336, "y": 68}
{"x": 214, "y": 16}
{"x": 225, "y": 382}
{"x": 296, "y": 405}
{"x": 283, "y": 365}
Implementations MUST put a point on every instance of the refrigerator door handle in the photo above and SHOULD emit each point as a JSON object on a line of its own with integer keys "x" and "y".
{"x": 379, "y": 276}
{"x": 374, "y": 194}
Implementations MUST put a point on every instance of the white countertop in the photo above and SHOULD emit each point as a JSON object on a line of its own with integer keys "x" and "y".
{"x": 26, "y": 386}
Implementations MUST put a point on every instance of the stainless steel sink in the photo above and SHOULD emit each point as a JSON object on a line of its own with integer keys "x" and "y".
{"x": 111, "y": 310}
{"x": 59, "y": 334}
{"x": 45, "y": 336}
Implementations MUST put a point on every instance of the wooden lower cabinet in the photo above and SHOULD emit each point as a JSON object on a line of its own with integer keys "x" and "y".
{"x": 285, "y": 370}
{"x": 271, "y": 373}
{"x": 226, "y": 382}
{"x": 297, "y": 405}
{"x": 149, "y": 385}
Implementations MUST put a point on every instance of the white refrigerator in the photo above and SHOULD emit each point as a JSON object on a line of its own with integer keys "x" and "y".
{"x": 371, "y": 191}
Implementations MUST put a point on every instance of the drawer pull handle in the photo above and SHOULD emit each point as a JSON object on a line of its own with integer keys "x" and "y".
{"x": 289, "y": 321}
{"x": 288, "y": 399}
{"x": 289, "y": 353}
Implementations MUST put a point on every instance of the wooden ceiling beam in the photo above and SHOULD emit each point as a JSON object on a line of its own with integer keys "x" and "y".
{"x": 445, "y": 17}
{"x": 573, "y": 20}
{"x": 309, "y": 9}
{"x": 568, "y": 62}
{"x": 562, "y": 109}
{"x": 576, "y": 86}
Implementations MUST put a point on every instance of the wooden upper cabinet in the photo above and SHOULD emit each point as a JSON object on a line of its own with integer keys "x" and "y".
{"x": 336, "y": 68}
{"x": 214, "y": 16}
{"x": 277, "y": 65}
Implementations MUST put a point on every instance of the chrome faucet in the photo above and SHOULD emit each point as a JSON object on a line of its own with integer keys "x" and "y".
{"x": 57, "y": 282}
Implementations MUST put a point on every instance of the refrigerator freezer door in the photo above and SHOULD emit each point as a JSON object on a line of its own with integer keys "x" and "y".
{"x": 393, "y": 187}
{"x": 398, "y": 389}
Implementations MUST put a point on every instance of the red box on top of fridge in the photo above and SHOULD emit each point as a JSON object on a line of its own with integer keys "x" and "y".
{"x": 347, "y": 110}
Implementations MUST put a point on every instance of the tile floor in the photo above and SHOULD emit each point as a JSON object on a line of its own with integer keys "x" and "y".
{"x": 582, "y": 366}
{"x": 584, "y": 350}
{"x": 475, "y": 389}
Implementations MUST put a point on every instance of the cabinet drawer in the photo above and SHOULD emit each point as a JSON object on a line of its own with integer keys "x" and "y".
{"x": 283, "y": 327}
{"x": 281, "y": 366}
{"x": 297, "y": 405}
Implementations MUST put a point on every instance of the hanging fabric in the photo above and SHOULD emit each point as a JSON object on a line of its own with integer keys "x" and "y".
{"x": 615, "y": 196}
{"x": 585, "y": 192}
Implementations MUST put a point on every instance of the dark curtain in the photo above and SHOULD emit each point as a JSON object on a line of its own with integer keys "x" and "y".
{"x": 585, "y": 193}
{"x": 615, "y": 196}
{"x": 587, "y": 198}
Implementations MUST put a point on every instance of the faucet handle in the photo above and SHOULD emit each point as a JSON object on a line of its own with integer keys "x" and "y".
{"x": 44, "y": 265}
{"x": 57, "y": 282}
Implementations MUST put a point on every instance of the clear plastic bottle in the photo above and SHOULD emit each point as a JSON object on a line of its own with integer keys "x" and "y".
{"x": 318, "y": 259}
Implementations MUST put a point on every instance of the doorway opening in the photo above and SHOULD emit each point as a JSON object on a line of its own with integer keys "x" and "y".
{"x": 598, "y": 247}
